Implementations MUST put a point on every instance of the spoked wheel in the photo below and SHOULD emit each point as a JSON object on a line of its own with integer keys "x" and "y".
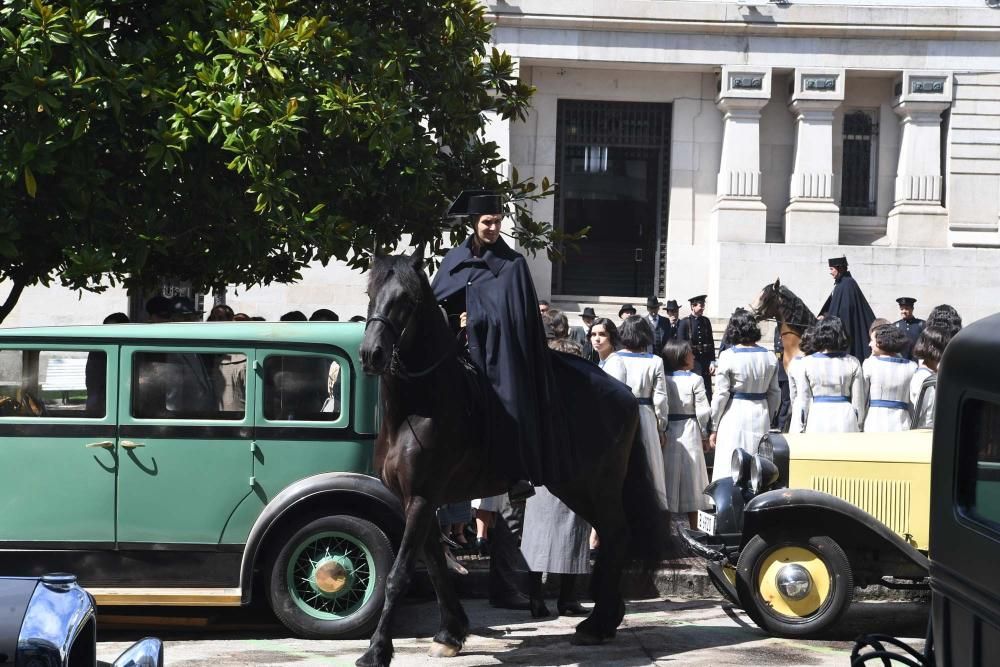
{"x": 328, "y": 578}
{"x": 794, "y": 586}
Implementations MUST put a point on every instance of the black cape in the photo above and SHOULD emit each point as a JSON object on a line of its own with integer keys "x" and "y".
{"x": 532, "y": 389}
{"x": 848, "y": 302}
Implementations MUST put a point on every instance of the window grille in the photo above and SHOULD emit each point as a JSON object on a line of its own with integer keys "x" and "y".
{"x": 859, "y": 177}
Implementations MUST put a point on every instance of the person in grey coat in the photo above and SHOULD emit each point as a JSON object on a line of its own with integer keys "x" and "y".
{"x": 554, "y": 539}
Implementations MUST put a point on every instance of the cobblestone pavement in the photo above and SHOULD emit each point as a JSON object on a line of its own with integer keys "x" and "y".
{"x": 655, "y": 632}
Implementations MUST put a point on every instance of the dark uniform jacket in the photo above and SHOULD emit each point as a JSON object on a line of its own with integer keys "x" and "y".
{"x": 912, "y": 328}
{"x": 698, "y": 331}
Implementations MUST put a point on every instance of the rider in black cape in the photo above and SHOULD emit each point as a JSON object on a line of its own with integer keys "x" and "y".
{"x": 848, "y": 302}
{"x": 532, "y": 390}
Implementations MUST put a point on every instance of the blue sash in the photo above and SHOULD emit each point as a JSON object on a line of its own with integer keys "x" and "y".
{"x": 748, "y": 396}
{"x": 680, "y": 418}
{"x": 831, "y": 399}
{"x": 882, "y": 403}
{"x": 645, "y": 401}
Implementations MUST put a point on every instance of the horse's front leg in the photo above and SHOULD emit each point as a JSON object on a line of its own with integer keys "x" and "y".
{"x": 454, "y": 623}
{"x": 419, "y": 516}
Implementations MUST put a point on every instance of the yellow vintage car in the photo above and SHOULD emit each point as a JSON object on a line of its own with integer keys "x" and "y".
{"x": 808, "y": 517}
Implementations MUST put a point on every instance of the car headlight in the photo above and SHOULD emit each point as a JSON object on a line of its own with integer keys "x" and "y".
{"x": 739, "y": 466}
{"x": 763, "y": 473}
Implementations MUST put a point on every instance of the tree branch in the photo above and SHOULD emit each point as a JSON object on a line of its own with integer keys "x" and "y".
{"x": 12, "y": 299}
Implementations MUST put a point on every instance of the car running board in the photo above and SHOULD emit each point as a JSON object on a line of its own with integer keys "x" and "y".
{"x": 168, "y": 597}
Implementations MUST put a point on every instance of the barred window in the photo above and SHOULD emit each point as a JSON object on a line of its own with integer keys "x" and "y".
{"x": 859, "y": 172}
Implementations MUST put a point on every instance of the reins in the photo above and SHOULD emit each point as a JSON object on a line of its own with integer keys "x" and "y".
{"x": 396, "y": 366}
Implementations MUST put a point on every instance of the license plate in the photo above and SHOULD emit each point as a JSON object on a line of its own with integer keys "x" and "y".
{"x": 706, "y": 522}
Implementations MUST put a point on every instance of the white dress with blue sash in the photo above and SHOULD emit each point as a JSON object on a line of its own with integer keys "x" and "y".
{"x": 746, "y": 396}
{"x": 887, "y": 385}
{"x": 643, "y": 372}
{"x": 834, "y": 393}
{"x": 683, "y": 457}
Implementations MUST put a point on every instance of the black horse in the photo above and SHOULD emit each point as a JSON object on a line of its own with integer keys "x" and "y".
{"x": 777, "y": 302}
{"x": 430, "y": 451}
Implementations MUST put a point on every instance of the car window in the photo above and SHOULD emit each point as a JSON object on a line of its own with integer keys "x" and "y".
{"x": 301, "y": 388}
{"x": 979, "y": 475}
{"x": 53, "y": 383}
{"x": 189, "y": 385}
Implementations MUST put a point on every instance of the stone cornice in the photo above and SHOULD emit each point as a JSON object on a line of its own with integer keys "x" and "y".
{"x": 750, "y": 18}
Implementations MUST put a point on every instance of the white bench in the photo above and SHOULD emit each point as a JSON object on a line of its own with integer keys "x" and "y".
{"x": 66, "y": 375}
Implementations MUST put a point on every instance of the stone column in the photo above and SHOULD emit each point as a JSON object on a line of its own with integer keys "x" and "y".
{"x": 917, "y": 217}
{"x": 811, "y": 215}
{"x": 740, "y": 214}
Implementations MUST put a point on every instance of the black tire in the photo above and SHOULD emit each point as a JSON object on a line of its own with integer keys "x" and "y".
{"x": 810, "y": 617}
{"x": 363, "y": 556}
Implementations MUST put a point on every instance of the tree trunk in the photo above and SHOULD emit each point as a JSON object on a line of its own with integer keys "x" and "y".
{"x": 12, "y": 299}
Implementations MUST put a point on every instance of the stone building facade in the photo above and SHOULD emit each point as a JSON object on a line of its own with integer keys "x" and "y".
{"x": 712, "y": 146}
{"x": 796, "y": 131}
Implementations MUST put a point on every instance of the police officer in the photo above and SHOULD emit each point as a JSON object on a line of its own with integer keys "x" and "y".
{"x": 908, "y": 324}
{"x": 697, "y": 329}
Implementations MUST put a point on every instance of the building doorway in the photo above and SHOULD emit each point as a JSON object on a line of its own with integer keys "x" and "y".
{"x": 612, "y": 169}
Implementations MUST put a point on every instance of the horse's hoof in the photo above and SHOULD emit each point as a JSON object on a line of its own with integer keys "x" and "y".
{"x": 439, "y": 650}
{"x": 373, "y": 658}
{"x": 586, "y": 639}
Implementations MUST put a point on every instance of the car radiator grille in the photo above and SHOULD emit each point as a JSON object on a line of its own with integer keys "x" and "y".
{"x": 886, "y": 500}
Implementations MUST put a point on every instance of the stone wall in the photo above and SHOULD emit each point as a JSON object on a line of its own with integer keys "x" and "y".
{"x": 972, "y": 190}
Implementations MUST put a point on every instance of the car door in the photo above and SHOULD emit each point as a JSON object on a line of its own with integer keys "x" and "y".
{"x": 58, "y": 438}
{"x": 303, "y": 417}
{"x": 186, "y": 436}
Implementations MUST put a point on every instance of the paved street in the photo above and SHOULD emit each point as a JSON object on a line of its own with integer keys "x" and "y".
{"x": 656, "y": 632}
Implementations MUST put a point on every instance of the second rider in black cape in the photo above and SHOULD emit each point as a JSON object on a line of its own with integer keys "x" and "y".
{"x": 531, "y": 389}
{"x": 848, "y": 302}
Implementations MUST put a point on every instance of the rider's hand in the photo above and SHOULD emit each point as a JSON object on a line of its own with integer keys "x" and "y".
{"x": 463, "y": 320}
{"x": 711, "y": 441}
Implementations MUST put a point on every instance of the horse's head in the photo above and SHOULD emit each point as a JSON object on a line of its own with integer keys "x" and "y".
{"x": 767, "y": 303}
{"x": 396, "y": 286}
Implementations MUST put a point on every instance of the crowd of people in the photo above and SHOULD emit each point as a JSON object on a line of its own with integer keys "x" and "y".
{"x": 695, "y": 398}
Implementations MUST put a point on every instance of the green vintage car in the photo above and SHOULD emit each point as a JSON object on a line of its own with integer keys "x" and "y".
{"x": 198, "y": 464}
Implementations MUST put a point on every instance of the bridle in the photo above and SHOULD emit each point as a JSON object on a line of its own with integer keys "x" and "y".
{"x": 777, "y": 320}
{"x": 396, "y": 366}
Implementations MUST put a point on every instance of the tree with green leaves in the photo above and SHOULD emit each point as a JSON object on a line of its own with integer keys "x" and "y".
{"x": 236, "y": 141}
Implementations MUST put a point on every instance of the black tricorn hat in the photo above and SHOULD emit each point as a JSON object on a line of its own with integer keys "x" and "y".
{"x": 698, "y": 299}
{"x": 477, "y": 202}
{"x": 906, "y": 301}
{"x": 627, "y": 307}
{"x": 653, "y": 302}
{"x": 672, "y": 305}
{"x": 588, "y": 312}
{"x": 837, "y": 261}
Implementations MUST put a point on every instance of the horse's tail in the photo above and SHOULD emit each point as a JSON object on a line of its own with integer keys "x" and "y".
{"x": 652, "y": 537}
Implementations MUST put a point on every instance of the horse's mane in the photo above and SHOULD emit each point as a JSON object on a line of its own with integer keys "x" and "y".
{"x": 795, "y": 312}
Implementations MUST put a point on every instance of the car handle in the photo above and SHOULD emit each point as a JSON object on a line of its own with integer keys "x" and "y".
{"x": 104, "y": 444}
{"x": 128, "y": 444}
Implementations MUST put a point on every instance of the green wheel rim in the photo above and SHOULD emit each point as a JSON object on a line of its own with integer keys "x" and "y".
{"x": 352, "y": 559}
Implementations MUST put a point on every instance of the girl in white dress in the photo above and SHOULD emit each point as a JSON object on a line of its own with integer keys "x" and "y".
{"x": 834, "y": 385}
{"x": 687, "y": 433}
{"x": 746, "y": 395}
{"x": 796, "y": 383}
{"x": 643, "y": 372}
{"x": 887, "y": 381}
{"x": 604, "y": 339}
{"x": 928, "y": 350}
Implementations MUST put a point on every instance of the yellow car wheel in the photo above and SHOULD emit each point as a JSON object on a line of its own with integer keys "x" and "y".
{"x": 794, "y": 586}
